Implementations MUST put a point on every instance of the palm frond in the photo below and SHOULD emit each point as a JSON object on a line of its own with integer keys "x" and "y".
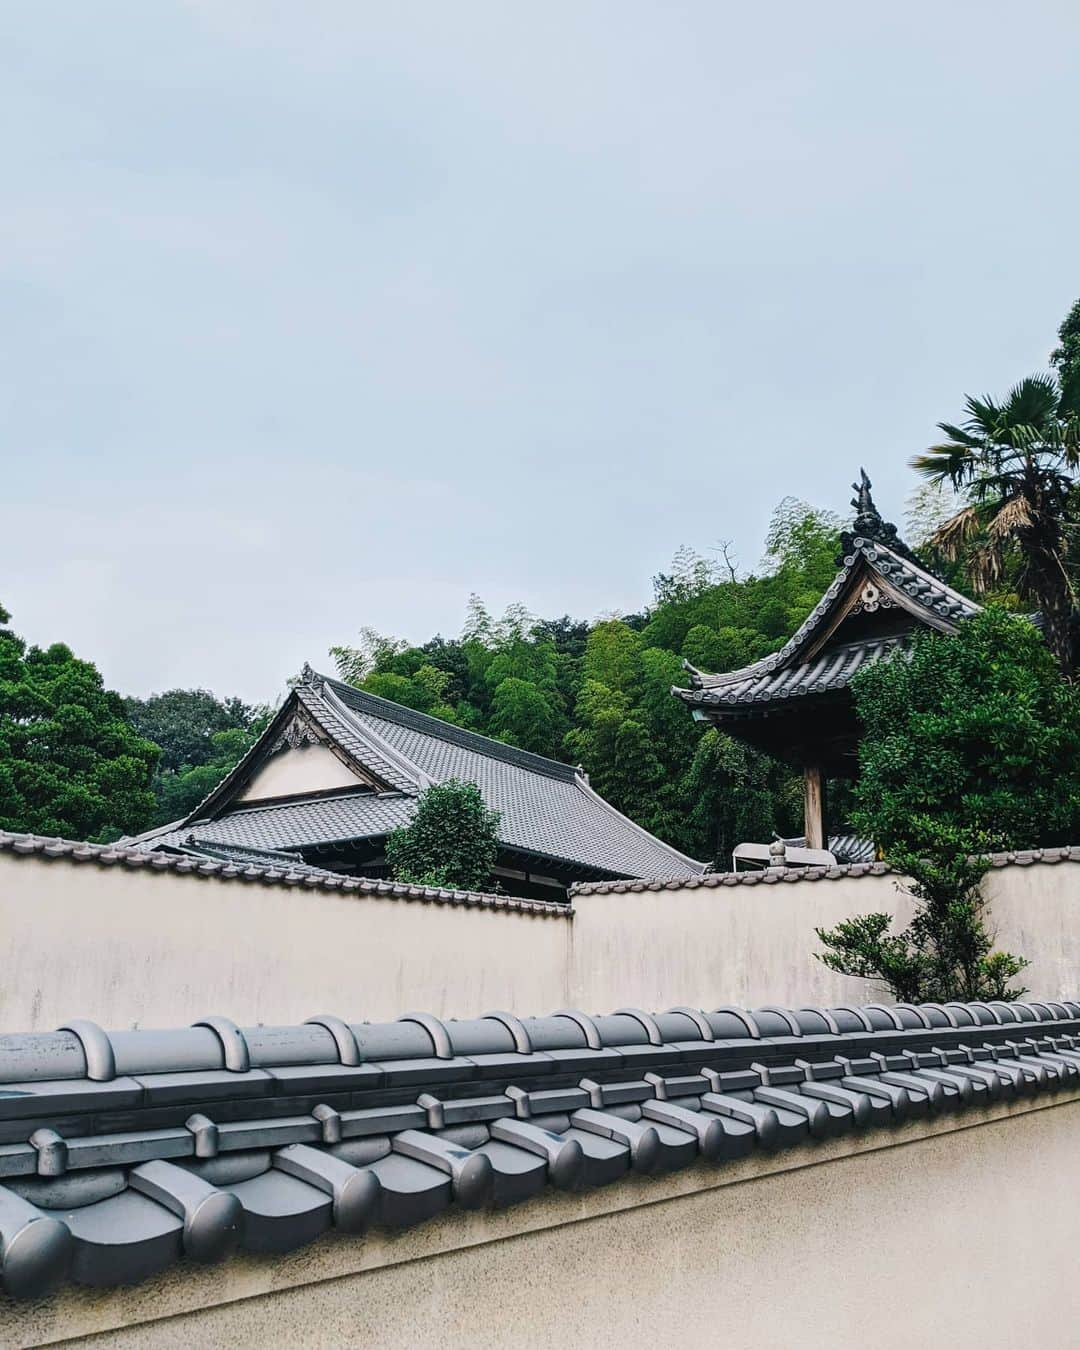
{"x": 952, "y": 536}
{"x": 986, "y": 566}
{"x": 1034, "y": 402}
{"x": 950, "y": 460}
{"x": 983, "y": 416}
{"x": 1014, "y": 516}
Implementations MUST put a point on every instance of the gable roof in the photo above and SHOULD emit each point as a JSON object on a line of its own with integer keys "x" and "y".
{"x": 805, "y": 664}
{"x": 547, "y": 809}
{"x": 128, "y": 1151}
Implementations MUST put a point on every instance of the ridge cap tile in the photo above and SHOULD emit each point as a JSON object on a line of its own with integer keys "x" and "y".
{"x": 403, "y": 1135}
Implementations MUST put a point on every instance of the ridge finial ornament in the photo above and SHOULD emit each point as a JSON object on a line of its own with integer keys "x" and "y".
{"x": 307, "y": 675}
{"x": 863, "y": 502}
{"x": 868, "y": 525}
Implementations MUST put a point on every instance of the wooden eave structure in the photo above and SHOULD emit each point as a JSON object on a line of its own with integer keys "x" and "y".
{"x": 795, "y": 704}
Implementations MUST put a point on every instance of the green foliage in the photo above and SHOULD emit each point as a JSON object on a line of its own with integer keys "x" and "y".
{"x": 945, "y": 953}
{"x": 452, "y": 840}
{"x": 973, "y": 732}
{"x": 178, "y": 793}
{"x": 732, "y": 794}
{"x": 600, "y": 694}
{"x": 70, "y": 761}
{"x": 1066, "y": 357}
{"x": 184, "y": 722}
{"x": 971, "y": 745}
{"x": 201, "y": 739}
{"x": 1014, "y": 463}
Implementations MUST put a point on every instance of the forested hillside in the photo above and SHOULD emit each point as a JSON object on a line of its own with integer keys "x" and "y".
{"x": 598, "y": 693}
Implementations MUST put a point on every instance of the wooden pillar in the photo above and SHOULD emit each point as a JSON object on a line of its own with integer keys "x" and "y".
{"x": 813, "y": 806}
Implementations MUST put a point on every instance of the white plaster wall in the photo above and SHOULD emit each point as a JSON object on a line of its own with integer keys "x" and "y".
{"x": 1035, "y": 912}
{"x": 704, "y": 946}
{"x": 134, "y": 947}
{"x": 308, "y": 768}
{"x": 129, "y": 947}
{"x": 924, "y": 1236}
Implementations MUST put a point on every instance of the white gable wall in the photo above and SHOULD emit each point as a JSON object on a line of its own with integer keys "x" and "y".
{"x": 309, "y": 768}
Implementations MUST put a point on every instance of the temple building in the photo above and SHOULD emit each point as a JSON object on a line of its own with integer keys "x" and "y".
{"x": 795, "y": 704}
{"x": 338, "y": 769}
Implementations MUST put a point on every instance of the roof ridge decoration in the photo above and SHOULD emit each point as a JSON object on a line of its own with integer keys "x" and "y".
{"x": 894, "y": 580}
{"x": 128, "y": 1151}
{"x": 309, "y": 717}
{"x": 869, "y": 524}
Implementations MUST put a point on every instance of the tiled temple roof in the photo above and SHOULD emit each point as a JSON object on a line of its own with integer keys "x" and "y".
{"x": 547, "y": 809}
{"x": 789, "y": 673}
{"x": 124, "y": 1152}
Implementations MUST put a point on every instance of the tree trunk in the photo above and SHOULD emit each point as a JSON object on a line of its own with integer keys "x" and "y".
{"x": 1055, "y": 603}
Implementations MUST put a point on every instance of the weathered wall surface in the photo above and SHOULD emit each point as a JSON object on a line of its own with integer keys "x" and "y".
{"x": 743, "y": 944}
{"x": 126, "y": 947}
{"x": 923, "y": 1236}
{"x": 1034, "y": 911}
{"x": 132, "y": 947}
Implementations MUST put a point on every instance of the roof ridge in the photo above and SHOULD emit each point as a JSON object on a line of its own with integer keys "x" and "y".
{"x": 301, "y": 799}
{"x": 699, "y": 867}
{"x": 449, "y": 731}
{"x": 371, "y": 738}
{"x": 864, "y": 550}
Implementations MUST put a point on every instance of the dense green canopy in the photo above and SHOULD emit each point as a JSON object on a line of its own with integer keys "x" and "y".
{"x": 599, "y": 694}
{"x": 70, "y": 762}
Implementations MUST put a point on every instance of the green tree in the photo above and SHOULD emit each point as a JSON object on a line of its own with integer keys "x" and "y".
{"x": 183, "y": 723}
{"x": 452, "y": 839}
{"x": 972, "y": 732}
{"x": 1066, "y": 357}
{"x": 523, "y": 716}
{"x": 1013, "y": 462}
{"x": 70, "y": 761}
{"x": 180, "y": 791}
{"x": 971, "y": 743}
{"x": 613, "y": 656}
{"x": 730, "y": 797}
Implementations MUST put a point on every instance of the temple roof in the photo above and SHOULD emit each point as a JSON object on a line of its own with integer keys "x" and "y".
{"x": 127, "y": 1152}
{"x": 547, "y": 809}
{"x": 874, "y": 577}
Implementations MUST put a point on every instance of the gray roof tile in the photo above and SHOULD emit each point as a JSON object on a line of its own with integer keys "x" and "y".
{"x": 787, "y": 674}
{"x": 226, "y": 1140}
{"x": 547, "y": 809}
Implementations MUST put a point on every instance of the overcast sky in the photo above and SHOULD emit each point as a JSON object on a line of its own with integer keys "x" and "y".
{"x": 319, "y": 315}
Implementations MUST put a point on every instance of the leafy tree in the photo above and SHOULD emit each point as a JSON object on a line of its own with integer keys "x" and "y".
{"x": 973, "y": 732}
{"x": 613, "y": 656}
{"x": 523, "y": 716}
{"x": 971, "y": 744}
{"x": 452, "y": 839}
{"x": 179, "y": 792}
{"x": 731, "y": 799}
{"x": 945, "y": 953}
{"x": 1013, "y": 461}
{"x": 1066, "y": 358}
{"x": 183, "y": 722}
{"x": 70, "y": 761}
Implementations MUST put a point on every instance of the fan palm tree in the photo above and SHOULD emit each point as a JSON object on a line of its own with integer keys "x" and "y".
{"x": 1013, "y": 463}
